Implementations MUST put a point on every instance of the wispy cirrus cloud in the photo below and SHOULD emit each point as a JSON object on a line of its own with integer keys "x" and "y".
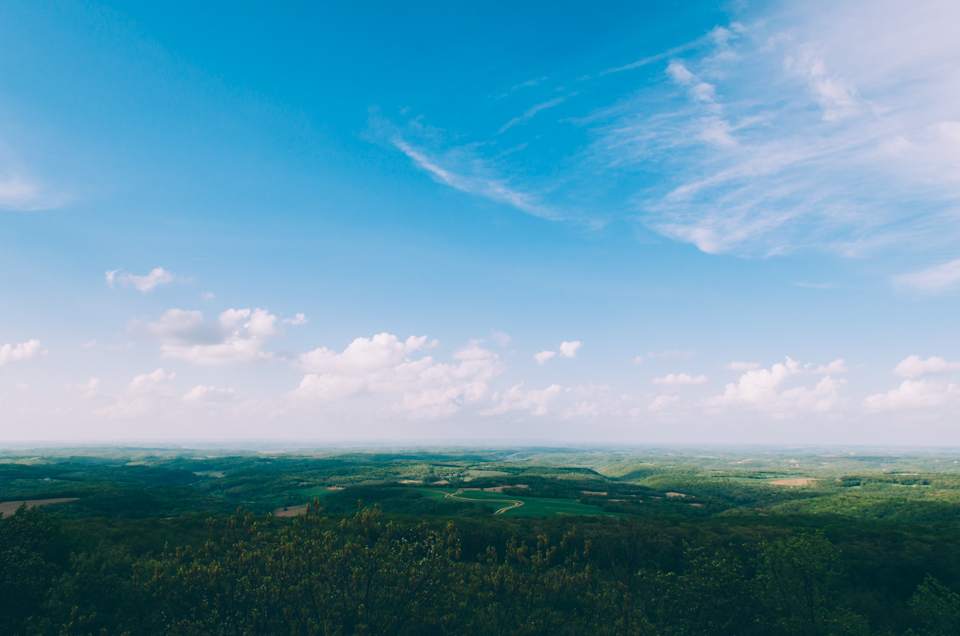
{"x": 774, "y": 133}
{"x": 477, "y": 182}
{"x": 21, "y": 193}
{"x": 935, "y": 279}
{"x": 531, "y": 112}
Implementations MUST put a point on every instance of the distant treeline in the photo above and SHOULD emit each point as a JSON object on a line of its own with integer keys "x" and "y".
{"x": 369, "y": 574}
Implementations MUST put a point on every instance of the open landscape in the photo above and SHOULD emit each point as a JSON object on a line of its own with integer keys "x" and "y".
{"x": 746, "y": 540}
{"x": 480, "y": 318}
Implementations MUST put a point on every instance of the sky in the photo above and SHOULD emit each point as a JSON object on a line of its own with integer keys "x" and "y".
{"x": 613, "y": 223}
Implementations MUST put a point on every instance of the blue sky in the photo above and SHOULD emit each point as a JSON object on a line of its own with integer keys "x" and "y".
{"x": 631, "y": 222}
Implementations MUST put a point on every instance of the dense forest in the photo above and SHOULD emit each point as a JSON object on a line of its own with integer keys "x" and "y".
{"x": 415, "y": 567}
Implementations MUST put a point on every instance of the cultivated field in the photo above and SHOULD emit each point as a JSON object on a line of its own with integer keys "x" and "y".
{"x": 9, "y": 507}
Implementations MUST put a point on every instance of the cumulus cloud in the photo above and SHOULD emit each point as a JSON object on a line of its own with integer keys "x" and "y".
{"x": 143, "y": 395}
{"x": 501, "y": 338}
{"x": 143, "y": 283}
{"x": 203, "y": 393}
{"x": 518, "y": 398}
{"x": 914, "y": 366}
{"x": 777, "y": 390}
{"x": 20, "y": 352}
{"x": 238, "y": 335}
{"x": 914, "y": 394}
{"x": 150, "y": 382}
{"x": 567, "y": 349}
{"x": 89, "y": 389}
{"x": 542, "y": 357}
{"x": 680, "y": 379}
{"x": 836, "y": 367}
{"x": 662, "y": 402}
{"x": 399, "y": 371}
{"x": 743, "y": 366}
{"x": 296, "y": 320}
{"x": 923, "y": 388}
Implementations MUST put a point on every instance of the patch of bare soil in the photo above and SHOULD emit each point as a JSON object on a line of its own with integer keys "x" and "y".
{"x": 594, "y": 493}
{"x": 291, "y": 511}
{"x": 676, "y": 495}
{"x": 502, "y": 488}
{"x": 793, "y": 482}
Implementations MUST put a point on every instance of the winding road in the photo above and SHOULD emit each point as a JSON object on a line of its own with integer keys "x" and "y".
{"x": 512, "y": 503}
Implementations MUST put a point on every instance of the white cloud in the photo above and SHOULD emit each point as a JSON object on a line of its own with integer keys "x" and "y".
{"x": 531, "y": 112}
{"x": 474, "y": 181}
{"x": 298, "y": 319}
{"x": 680, "y": 379}
{"x": 143, "y": 396}
{"x": 743, "y": 366}
{"x": 146, "y": 283}
{"x": 386, "y": 366}
{"x": 934, "y": 279}
{"x": 788, "y": 135}
{"x": 914, "y": 394}
{"x": 716, "y": 131}
{"x": 569, "y": 349}
{"x": 662, "y": 402}
{"x": 699, "y": 90}
{"x": 533, "y": 401}
{"x": 501, "y": 338}
{"x": 89, "y": 389}
{"x": 21, "y": 193}
{"x": 775, "y": 390}
{"x": 150, "y": 382}
{"x": 20, "y": 352}
{"x": 915, "y": 366}
{"x": 836, "y": 367}
{"x": 239, "y": 335}
{"x": 837, "y": 99}
{"x": 542, "y": 357}
{"x": 383, "y": 350}
{"x": 203, "y": 393}
{"x": 840, "y": 142}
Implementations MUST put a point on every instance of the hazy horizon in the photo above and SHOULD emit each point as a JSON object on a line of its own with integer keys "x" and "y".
{"x": 660, "y": 224}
